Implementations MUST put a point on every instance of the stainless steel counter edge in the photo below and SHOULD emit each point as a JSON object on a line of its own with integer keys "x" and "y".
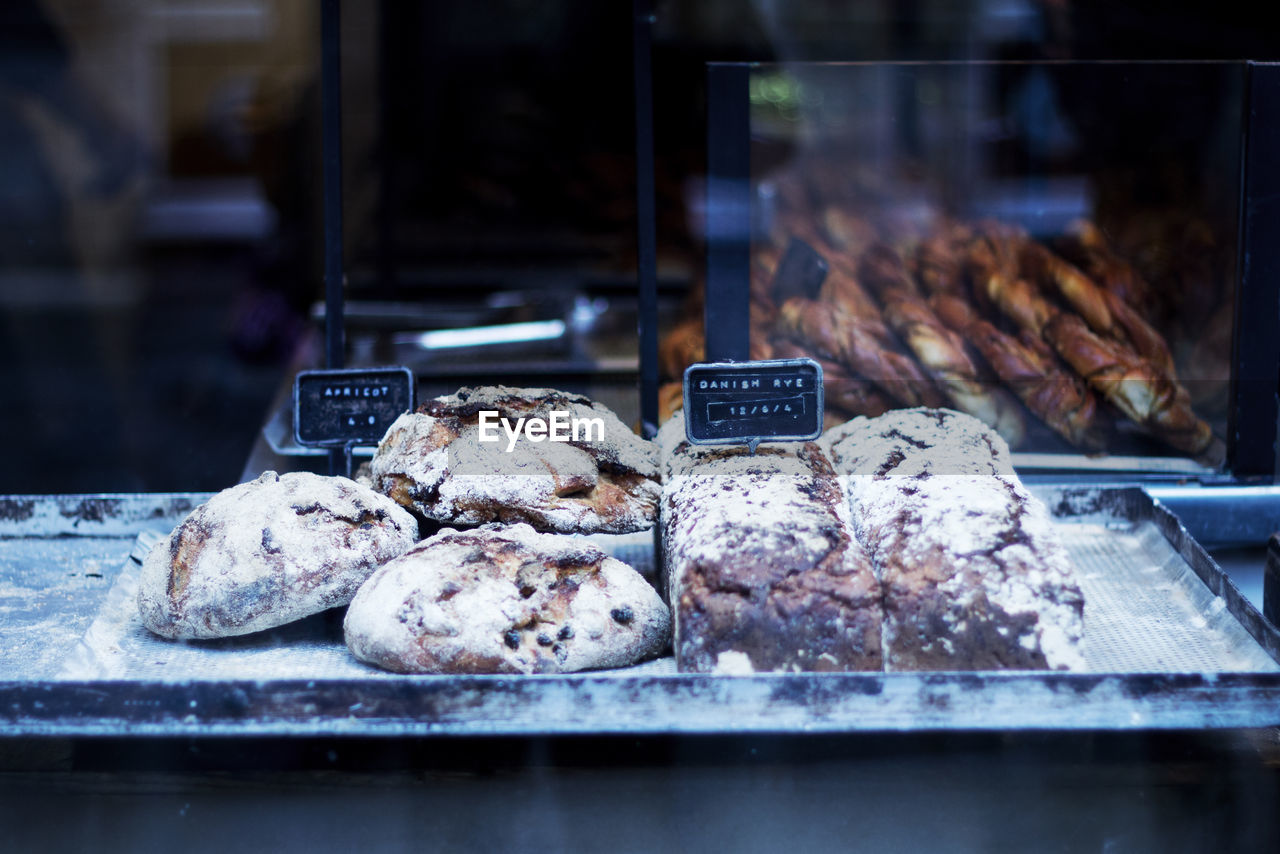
{"x": 1223, "y": 515}
{"x": 670, "y": 704}
{"x": 96, "y": 515}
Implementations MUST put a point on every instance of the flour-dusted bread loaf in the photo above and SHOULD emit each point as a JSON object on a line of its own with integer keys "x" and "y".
{"x": 974, "y": 576}
{"x": 505, "y": 599}
{"x": 763, "y": 571}
{"x": 604, "y": 480}
{"x": 918, "y": 442}
{"x": 268, "y": 552}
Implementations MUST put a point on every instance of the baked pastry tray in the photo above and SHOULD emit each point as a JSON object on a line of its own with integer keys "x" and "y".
{"x": 1171, "y": 643}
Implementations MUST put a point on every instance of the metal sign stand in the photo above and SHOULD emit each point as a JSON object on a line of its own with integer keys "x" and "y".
{"x": 727, "y": 318}
{"x": 331, "y": 133}
{"x": 646, "y": 237}
{"x": 1255, "y": 407}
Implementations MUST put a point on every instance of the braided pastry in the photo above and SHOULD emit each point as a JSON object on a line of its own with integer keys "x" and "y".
{"x": 938, "y": 261}
{"x": 1056, "y": 395}
{"x": 1105, "y": 312}
{"x": 993, "y": 268}
{"x": 1079, "y": 292}
{"x": 843, "y": 391}
{"x": 839, "y": 337}
{"x": 1133, "y": 385}
{"x": 1145, "y": 339}
{"x": 1086, "y": 247}
{"x": 844, "y": 293}
{"x": 847, "y": 231}
{"x": 941, "y": 352}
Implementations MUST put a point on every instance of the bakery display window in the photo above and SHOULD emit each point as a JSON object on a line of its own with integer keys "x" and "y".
{"x": 1017, "y": 570}
{"x": 1025, "y": 296}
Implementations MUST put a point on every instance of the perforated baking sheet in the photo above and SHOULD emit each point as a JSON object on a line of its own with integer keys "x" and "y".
{"x": 1171, "y": 643}
{"x": 1146, "y": 611}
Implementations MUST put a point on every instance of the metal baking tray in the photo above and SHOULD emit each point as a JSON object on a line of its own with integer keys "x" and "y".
{"x": 1171, "y": 644}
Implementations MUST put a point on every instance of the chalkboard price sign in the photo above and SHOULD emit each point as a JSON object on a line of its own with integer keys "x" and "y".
{"x": 349, "y": 407}
{"x": 779, "y": 400}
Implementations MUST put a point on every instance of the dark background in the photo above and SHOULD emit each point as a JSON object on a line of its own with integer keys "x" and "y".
{"x": 487, "y": 149}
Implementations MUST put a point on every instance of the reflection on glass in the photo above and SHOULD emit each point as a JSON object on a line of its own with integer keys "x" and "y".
{"x": 1049, "y": 246}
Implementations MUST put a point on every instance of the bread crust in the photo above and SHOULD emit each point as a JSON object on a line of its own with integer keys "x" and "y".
{"x": 267, "y": 552}
{"x": 433, "y": 462}
{"x": 505, "y": 599}
{"x": 973, "y": 575}
{"x": 763, "y": 571}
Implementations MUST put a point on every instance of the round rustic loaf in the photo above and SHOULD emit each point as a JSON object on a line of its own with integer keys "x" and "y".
{"x": 435, "y": 462}
{"x": 268, "y": 552}
{"x": 505, "y": 599}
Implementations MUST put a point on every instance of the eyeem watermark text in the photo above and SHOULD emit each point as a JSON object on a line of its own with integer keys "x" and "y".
{"x": 559, "y": 427}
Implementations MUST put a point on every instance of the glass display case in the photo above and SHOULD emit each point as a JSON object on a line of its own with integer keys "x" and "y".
{"x": 1050, "y": 246}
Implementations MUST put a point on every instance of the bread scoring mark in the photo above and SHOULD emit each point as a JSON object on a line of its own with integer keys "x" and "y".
{"x": 269, "y": 544}
{"x": 714, "y": 579}
{"x": 895, "y": 433}
{"x": 891, "y": 462}
{"x": 184, "y": 550}
{"x": 470, "y": 402}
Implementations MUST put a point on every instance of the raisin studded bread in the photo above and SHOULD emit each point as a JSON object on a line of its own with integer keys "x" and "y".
{"x": 268, "y": 552}
{"x": 433, "y": 462}
{"x": 505, "y": 599}
{"x": 763, "y": 571}
{"x": 974, "y": 576}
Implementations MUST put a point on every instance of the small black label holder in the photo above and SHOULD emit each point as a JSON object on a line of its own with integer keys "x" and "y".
{"x": 746, "y": 403}
{"x": 349, "y": 407}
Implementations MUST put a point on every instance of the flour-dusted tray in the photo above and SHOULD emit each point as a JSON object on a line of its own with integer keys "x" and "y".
{"x": 1171, "y": 644}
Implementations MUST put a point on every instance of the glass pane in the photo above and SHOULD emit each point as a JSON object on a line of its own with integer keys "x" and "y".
{"x": 1050, "y": 246}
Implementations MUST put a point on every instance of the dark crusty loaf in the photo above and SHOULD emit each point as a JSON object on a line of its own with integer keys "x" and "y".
{"x": 974, "y": 576}
{"x": 505, "y": 599}
{"x": 268, "y": 552}
{"x": 433, "y": 462}
{"x": 763, "y": 571}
